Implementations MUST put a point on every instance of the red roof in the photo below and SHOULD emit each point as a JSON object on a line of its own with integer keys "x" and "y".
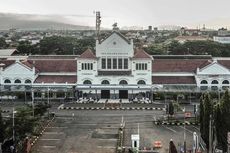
{"x": 225, "y": 63}
{"x": 177, "y": 65}
{"x": 173, "y": 80}
{"x": 55, "y": 65}
{"x": 88, "y": 54}
{"x": 140, "y": 53}
{"x": 5, "y": 63}
{"x": 56, "y": 79}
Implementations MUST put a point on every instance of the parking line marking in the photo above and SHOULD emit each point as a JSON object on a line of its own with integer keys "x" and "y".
{"x": 50, "y": 139}
{"x": 108, "y": 139}
{"x": 186, "y": 129}
{"x": 169, "y": 129}
{"x": 106, "y": 147}
{"x": 53, "y": 132}
{"x": 196, "y": 128}
{"x": 57, "y": 127}
{"x": 48, "y": 146}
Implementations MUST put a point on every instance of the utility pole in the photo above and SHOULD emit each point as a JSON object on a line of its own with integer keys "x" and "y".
{"x": 210, "y": 134}
{"x": 13, "y": 125}
{"x": 184, "y": 133}
{"x": 32, "y": 95}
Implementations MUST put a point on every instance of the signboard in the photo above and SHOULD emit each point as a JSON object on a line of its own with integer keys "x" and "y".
{"x": 229, "y": 138}
{"x": 187, "y": 114}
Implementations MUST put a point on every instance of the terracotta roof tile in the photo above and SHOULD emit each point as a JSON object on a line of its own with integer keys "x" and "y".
{"x": 173, "y": 80}
{"x": 177, "y": 65}
{"x": 88, "y": 54}
{"x": 140, "y": 53}
{"x": 56, "y": 79}
{"x": 5, "y": 63}
{"x": 55, "y": 65}
{"x": 225, "y": 63}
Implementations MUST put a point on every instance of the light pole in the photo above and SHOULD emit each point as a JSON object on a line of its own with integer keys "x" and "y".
{"x": 219, "y": 90}
{"x": 48, "y": 96}
{"x": 184, "y": 133}
{"x": 32, "y": 96}
{"x": 13, "y": 124}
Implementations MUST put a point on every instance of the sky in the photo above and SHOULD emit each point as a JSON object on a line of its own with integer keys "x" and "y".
{"x": 189, "y": 13}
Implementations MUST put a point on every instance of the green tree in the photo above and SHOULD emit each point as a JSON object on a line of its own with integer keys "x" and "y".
{"x": 222, "y": 120}
{"x": 208, "y": 110}
{"x": 156, "y": 49}
{"x": 201, "y": 115}
{"x": 3, "y": 43}
{"x": 65, "y": 45}
{"x": 25, "y": 47}
{"x": 219, "y": 128}
{"x": 2, "y": 128}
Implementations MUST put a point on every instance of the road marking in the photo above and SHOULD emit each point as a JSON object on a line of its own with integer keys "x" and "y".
{"x": 196, "y": 128}
{"x": 169, "y": 129}
{"x": 53, "y": 132}
{"x": 48, "y": 146}
{"x": 50, "y": 139}
{"x": 108, "y": 139}
{"x": 186, "y": 129}
{"x": 57, "y": 127}
{"x": 107, "y": 147}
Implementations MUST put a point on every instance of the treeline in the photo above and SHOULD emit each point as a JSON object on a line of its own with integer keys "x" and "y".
{"x": 219, "y": 112}
{"x": 191, "y": 48}
{"x": 68, "y": 46}
{"x": 55, "y": 45}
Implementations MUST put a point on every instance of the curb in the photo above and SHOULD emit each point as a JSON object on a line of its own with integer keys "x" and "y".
{"x": 175, "y": 123}
{"x": 111, "y": 108}
{"x": 41, "y": 133}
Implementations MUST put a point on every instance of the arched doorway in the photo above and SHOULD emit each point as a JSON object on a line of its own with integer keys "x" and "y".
{"x": 123, "y": 94}
{"x": 105, "y": 94}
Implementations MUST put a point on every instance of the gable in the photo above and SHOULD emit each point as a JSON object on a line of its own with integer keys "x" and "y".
{"x": 114, "y": 45}
{"x": 116, "y": 36}
{"x": 214, "y": 68}
{"x": 17, "y": 68}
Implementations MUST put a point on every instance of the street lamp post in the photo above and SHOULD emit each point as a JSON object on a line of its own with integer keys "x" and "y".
{"x": 48, "y": 95}
{"x": 184, "y": 133}
{"x": 32, "y": 96}
{"x": 13, "y": 124}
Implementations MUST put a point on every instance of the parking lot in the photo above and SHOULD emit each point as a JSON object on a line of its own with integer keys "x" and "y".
{"x": 93, "y": 131}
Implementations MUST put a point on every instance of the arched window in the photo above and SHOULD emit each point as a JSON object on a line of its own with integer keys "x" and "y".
{"x": 105, "y": 82}
{"x": 215, "y": 82}
{"x": 204, "y": 82}
{"x": 225, "y": 82}
{"x": 123, "y": 82}
{"x": 7, "y": 81}
{"x": 17, "y": 81}
{"x": 87, "y": 82}
{"x": 141, "y": 82}
{"x": 28, "y": 81}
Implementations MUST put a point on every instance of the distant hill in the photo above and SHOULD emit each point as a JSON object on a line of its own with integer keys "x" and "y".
{"x": 36, "y": 22}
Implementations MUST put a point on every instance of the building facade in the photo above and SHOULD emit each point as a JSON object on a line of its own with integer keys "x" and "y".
{"x": 116, "y": 70}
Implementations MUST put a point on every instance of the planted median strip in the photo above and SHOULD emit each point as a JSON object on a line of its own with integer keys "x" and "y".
{"x": 111, "y": 108}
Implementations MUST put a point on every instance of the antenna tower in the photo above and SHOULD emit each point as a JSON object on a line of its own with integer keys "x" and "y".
{"x": 98, "y": 24}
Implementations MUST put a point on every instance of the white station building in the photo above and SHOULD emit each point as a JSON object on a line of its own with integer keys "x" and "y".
{"x": 115, "y": 71}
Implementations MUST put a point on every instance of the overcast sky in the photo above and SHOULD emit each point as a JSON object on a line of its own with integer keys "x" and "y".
{"x": 190, "y": 13}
